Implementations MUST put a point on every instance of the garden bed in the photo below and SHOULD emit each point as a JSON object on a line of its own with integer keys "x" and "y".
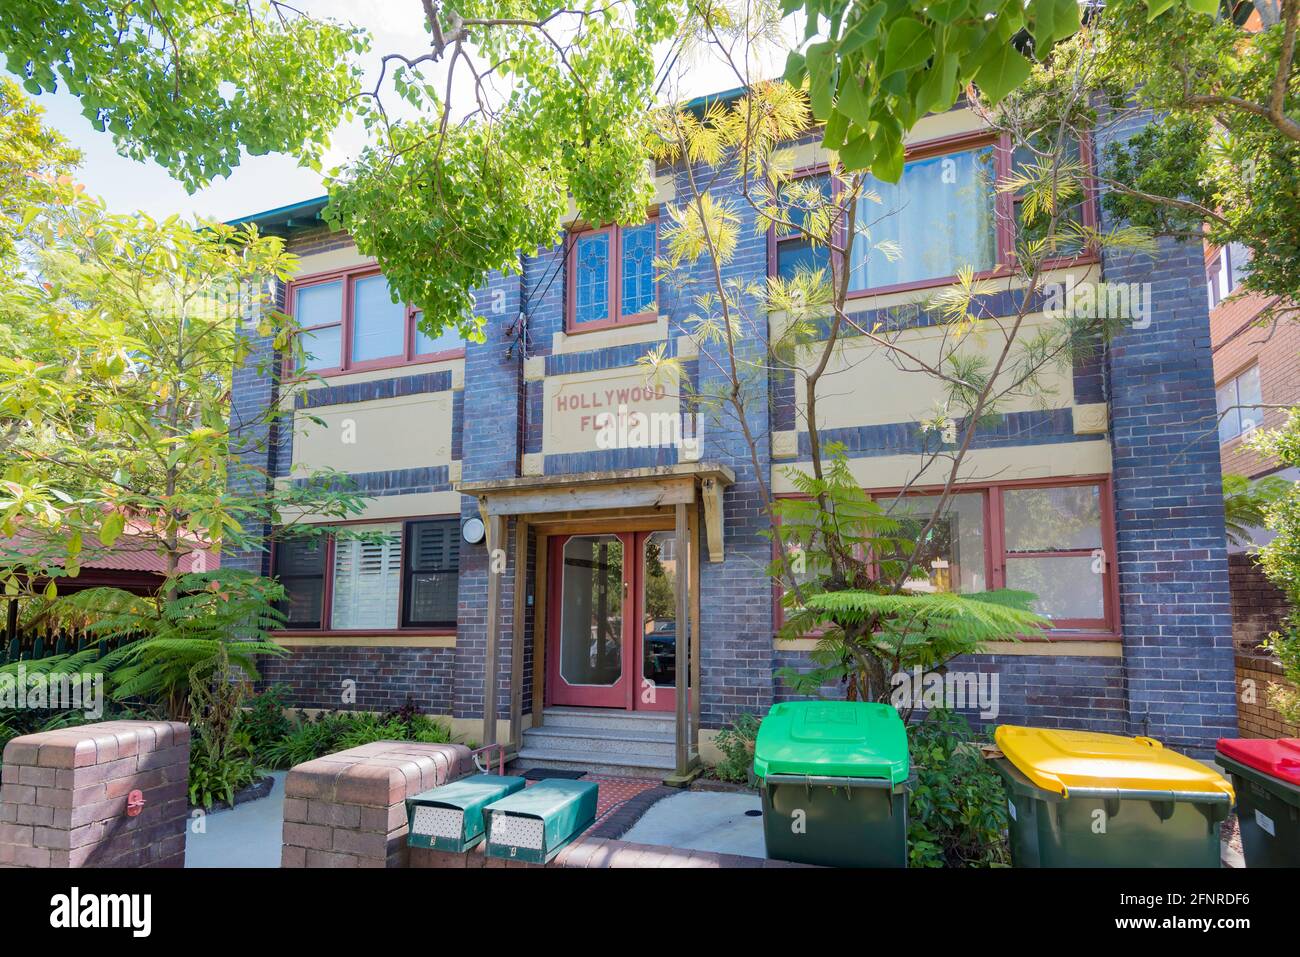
{"x": 254, "y": 792}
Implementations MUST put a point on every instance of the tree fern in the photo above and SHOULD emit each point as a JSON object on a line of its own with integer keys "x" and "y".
{"x": 213, "y": 618}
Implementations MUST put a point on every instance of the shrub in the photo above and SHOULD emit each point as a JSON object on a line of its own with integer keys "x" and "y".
{"x": 219, "y": 775}
{"x": 1285, "y": 644}
{"x": 328, "y": 732}
{"x": 737, "y": 746}
{"x": 221, "y": 753}
{"x": 264, "y": 719}
{"x": 957, "y": 808}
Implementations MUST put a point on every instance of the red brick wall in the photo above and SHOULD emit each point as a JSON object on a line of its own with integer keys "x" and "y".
{"x": 63, "y": 796}
{"x": 1258, "y": 606}
{"x": 1255, "y": 719}
{"x": 1238, "y": 343}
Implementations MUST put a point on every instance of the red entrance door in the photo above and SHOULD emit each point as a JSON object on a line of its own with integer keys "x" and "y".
{"x": 611, "y": 637}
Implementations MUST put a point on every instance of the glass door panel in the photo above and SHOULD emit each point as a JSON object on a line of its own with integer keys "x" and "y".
{"x": 592, "y": 626}
{"x": 658, "y": 631}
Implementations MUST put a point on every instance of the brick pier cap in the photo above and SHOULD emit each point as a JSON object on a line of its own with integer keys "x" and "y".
{"x": 349, "y": 809}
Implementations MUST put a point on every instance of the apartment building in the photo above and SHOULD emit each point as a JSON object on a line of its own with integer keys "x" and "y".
{"x": 632, "y": 617}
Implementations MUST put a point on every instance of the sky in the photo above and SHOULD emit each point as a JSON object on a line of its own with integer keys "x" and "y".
{"x": 261, "y": 183}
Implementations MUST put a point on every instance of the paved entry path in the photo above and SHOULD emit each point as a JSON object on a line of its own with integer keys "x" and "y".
{"x": 245, "y": 836}
{"x": 703, "y": 821}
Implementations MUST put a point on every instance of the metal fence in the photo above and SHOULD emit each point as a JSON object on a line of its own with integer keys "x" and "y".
{"x": 33, "y": 645}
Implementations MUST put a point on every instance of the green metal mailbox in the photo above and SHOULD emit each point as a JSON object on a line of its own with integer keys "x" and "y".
{"x": 450, "y": 817}
{"x": 533, "y": 825}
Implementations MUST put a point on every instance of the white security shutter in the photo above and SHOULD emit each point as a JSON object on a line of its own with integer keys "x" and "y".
{"x": 367, "y": 580}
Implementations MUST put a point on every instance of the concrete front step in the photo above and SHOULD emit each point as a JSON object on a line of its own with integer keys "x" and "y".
{"x": 652, "y": 766}
{"x": 602, "y": 740}
{"x": 609, "y": 719}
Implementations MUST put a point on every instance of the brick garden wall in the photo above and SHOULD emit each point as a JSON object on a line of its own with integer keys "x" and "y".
{"x": 63, "y": 796}
{"x": 349, "y": 809}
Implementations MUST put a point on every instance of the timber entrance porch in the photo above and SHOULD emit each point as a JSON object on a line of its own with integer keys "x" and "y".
{"x": 614, "y": 613}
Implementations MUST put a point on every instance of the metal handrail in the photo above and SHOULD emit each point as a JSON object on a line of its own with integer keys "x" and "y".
{"x": 485, "y": 750}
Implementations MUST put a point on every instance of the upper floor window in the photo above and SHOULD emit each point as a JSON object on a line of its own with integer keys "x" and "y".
{"x": 937, "y": 219}
{"x": 945, "y": 214}
{"x": 793, "y": 249}
{"x": 1226, "y": 271}
{"x": 611, "y": 277}
{"x": 1238, "y": 401}
{"x": 349, "y": 322}
{"x": 395, "y": 575}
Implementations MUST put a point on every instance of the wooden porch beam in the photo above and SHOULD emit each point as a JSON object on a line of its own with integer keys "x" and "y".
{"x": 590, "y": 498}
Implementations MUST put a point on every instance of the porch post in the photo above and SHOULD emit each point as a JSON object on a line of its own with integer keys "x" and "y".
{"x": 682, "y": 649}
{"x": 517, "y": 635}
{"x": 496, "y": 539}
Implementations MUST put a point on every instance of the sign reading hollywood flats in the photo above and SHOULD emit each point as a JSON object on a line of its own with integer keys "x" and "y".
{"x": 581, "y": 408}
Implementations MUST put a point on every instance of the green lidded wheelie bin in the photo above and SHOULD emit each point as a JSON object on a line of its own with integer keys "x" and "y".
{"x": 1084, "y": 799}
{"x": 834, "y": 783}
{"x": 1266, "y": 774}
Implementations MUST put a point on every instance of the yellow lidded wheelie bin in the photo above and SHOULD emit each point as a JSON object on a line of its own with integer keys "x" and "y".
{"x": 1085, "y": 799}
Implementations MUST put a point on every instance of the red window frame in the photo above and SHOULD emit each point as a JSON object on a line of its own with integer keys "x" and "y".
{"x": 615, "y": 267}
{"x": 327, "y": 587}
{"x": 1004, "y": 211}
{"x": 996, "y": 556}
{"x": 349, "y": 278}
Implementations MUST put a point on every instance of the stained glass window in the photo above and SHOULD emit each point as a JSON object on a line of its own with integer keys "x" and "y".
{"x": 638, "y": 269}
{"x": 591, "y": 279}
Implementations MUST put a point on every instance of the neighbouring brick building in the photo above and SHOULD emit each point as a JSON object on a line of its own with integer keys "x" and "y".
{"x": 447, "y": 435}
{"x": 1256, "y": 345}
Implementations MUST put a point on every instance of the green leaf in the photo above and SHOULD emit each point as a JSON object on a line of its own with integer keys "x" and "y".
{"x": 1002, "y": 72}
{"x": 1208, "y": 7}
{"x": 821, "y": 63}
{"x": 1157, "y": 7}
{"x": 796, "y": 68}
{"x": 939, "y": 90}
{"x": 1053, "y": 20}
{"x": 863, "y": 30}
{"x": 837, "y": 127}
{"x": 112, "y": 528}
{"x": 857, "y": 153}
{"x": 888, "y": 164}
{"x": 908, "y": 45}
{"x": 854, "y": 104}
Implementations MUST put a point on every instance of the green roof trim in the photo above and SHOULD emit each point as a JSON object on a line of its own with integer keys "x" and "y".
{"x": 285, "y": 217}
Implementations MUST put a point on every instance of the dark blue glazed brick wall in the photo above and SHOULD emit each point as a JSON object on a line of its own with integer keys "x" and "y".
{"x": 386, "y": 678}
{"x": 735, "y": 595}
{"x": 1173, "y": 570}
{"x": 491, "y": 450}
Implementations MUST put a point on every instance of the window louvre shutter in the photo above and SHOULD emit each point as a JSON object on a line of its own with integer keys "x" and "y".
{"x": 433, "y": 573}
{"x": 367, "y": 581}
